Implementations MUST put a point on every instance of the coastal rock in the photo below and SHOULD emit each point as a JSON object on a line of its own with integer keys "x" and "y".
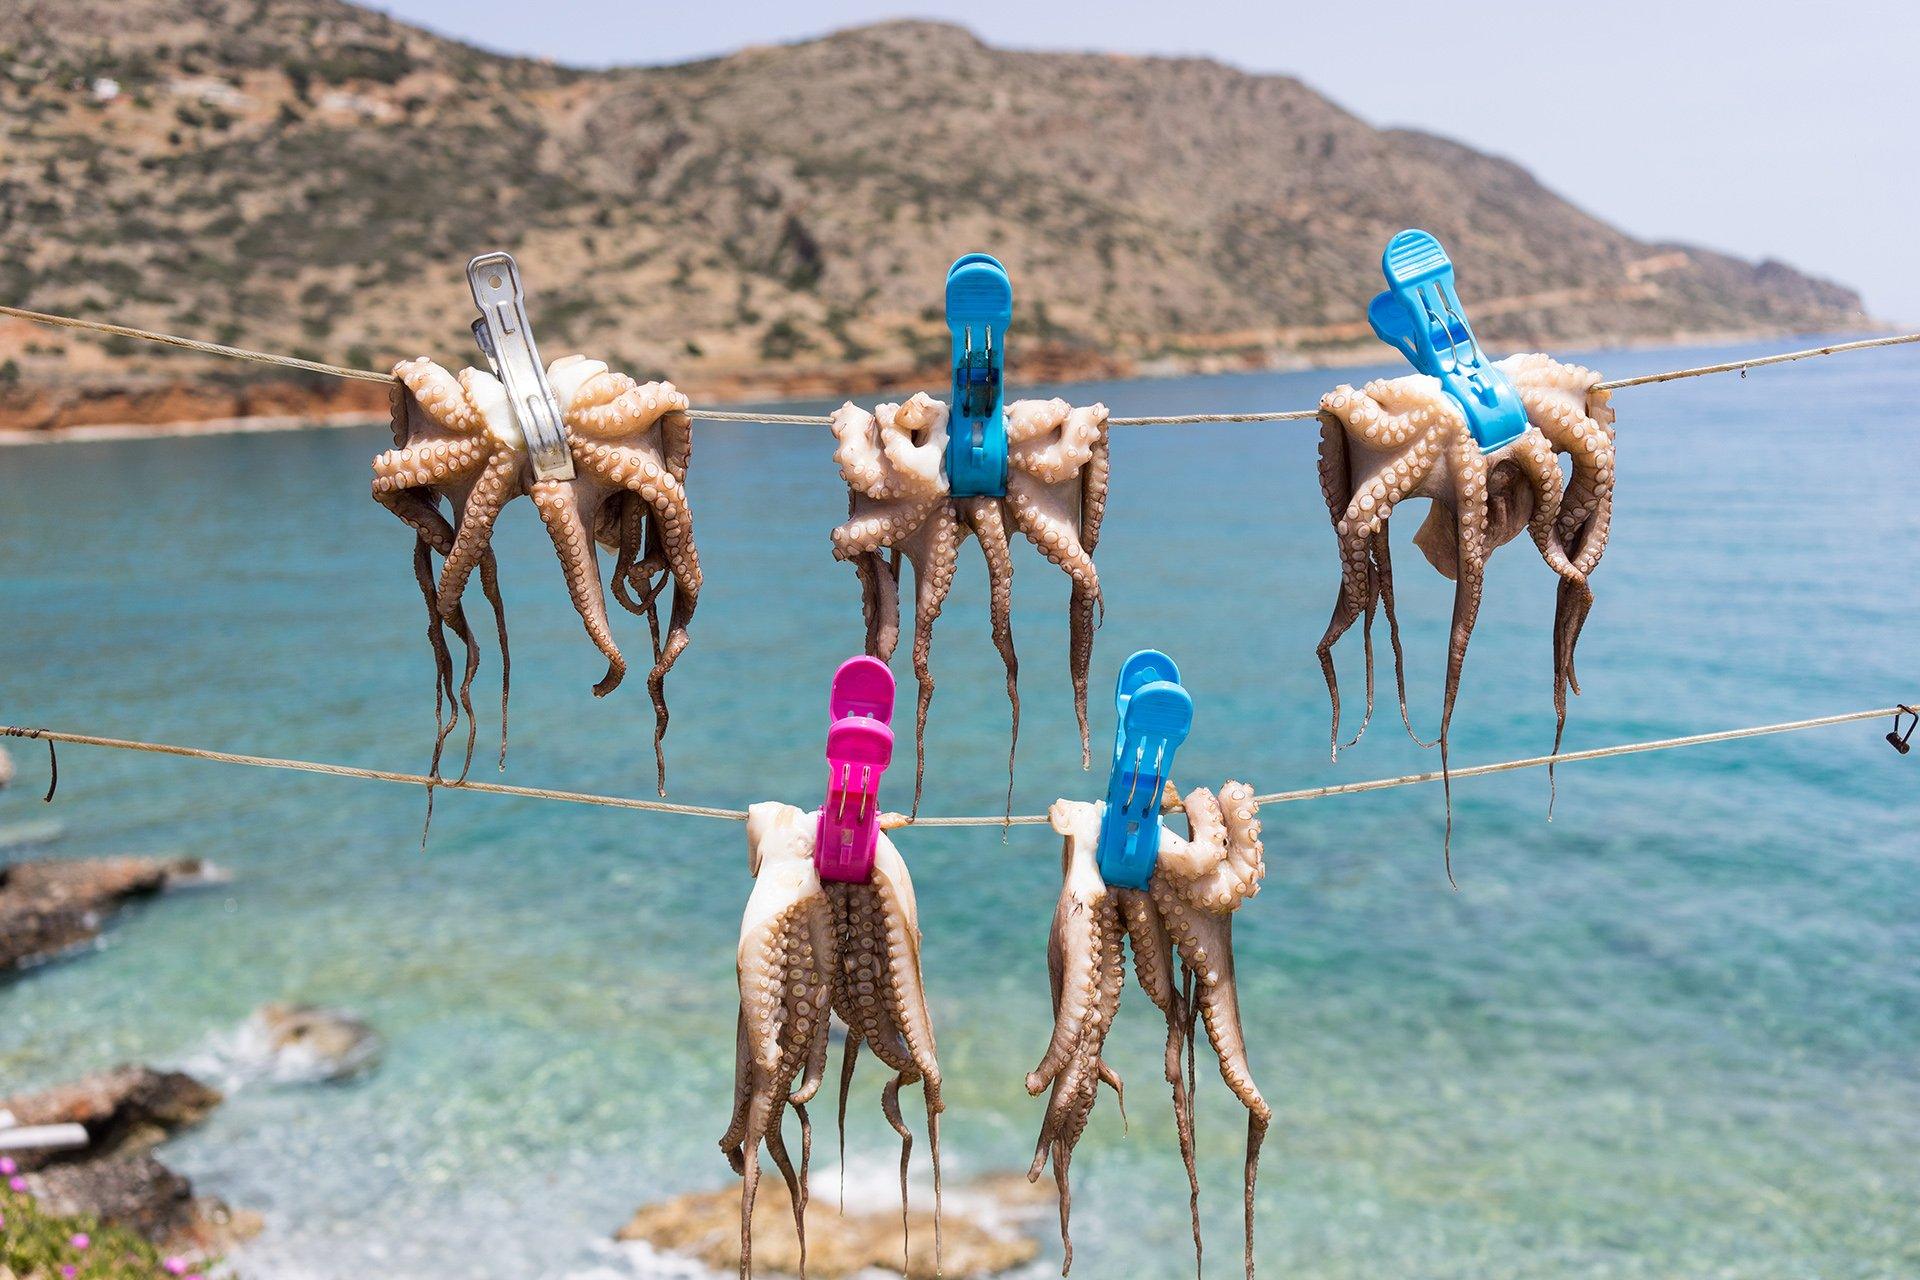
{"x": 978, "y": 1238}
{"x": 125, "y": 1110}
{"x": 50, "y": 907}
{"x": 136, "y": 1191}
{"x": 114, "y": 1177}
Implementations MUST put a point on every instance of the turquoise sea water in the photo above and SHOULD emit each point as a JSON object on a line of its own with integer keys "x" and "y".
{"x": 1674, "y": 1033}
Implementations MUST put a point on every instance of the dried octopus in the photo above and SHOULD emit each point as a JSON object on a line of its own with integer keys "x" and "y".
{"x": 1400, "y": 438}
{"x": 1181, "y": 924}
{"x": 898, "y": 502}
{"x": 808, "y": 947}
{"x": 458, "y": 442}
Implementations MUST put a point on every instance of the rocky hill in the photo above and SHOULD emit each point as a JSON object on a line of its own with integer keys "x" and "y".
{"x": 308, "y": 176}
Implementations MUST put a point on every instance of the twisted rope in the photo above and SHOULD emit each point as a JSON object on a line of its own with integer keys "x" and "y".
{"x": 195, "y": 344}
{"x": 895, "y": 821}
{"x": 820, "y": 420}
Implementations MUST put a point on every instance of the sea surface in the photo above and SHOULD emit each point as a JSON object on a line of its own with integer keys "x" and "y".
{"x": 1674, "y": 1032}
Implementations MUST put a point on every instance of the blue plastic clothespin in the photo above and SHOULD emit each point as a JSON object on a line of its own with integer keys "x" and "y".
{"x": 1154, "y": 716}
{"x": 1421, "y": 315}
{"x": 979, "y": 309}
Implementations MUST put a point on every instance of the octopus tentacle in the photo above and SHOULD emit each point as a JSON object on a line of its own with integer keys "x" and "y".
{"x": 1468, "y": 589}
{"x": 890, "y": 1108}
{"x": 676, "y": 644}
{"x": 560, "y": 512}
{"x": 776, "y": 1143}
{"x": 1077, "y": 1088}
{"x": 1055, "y": 536}
{"x": 1086, "y": 965}
{"x": 985, "y": 518}
{"x": 640, "y": 472}
{"x": 498, "y": 482}
{"x": 880, "y": 591}
{"x": 1076, "y": 940}
{"x": 878, "y": 991}
{"x": 676, "y": 443}
{"x": 934, "y": 555}
{"x": 1197, "y": 885}
{"x": 785, "y": 963}
{"x": 1356, "y": 572}
{"x": 1566, "y": 406}
{"x": 849, "y": 1059}
{"x": 443, "y": 695}
{"x": 1353, "y": 421}
{"x": 441, "y": 396}
{"x": 1538, "y": 463}
{"x": 1086, "y": 608}
{"x": 429, "y": 462}
{"x": 627, "y": 516}
{"x": 1152, "y": 949}
{"x": 730, "y": 1141}
{"x": 882, "y": 526}
{"x": 1383, "y": 580}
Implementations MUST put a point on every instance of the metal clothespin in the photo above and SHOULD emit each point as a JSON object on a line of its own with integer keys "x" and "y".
{"x": 1903, "y": 742}
{"x": 1421, "y": 315}
{"x": 1154, "y": 715}
{"x": 859, "y": 748}
{"x": 979, "y": 309}
{"x": 506, "y": 336}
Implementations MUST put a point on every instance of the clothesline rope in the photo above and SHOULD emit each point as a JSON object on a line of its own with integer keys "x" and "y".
{"x": 808, "y": 419}
{"x": 895, "y": 820}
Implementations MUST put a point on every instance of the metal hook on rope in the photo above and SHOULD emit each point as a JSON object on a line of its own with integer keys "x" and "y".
{"x": 1903, "y": 742}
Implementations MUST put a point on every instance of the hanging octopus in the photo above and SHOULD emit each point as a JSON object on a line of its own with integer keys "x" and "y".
{"x": 1400, "y": 438}
{"x": 630, "y": 444}
{"x": 808, "y": 947}
{"x": 1181, "y": 932}
{"x": 898, "y": 502}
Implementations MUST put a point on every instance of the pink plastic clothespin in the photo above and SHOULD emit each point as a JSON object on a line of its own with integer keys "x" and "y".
{"x": 859, "y": 748}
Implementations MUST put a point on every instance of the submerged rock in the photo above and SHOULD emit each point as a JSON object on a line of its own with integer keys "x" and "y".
{"x": 48, "y": 908}
{"x": 977, "y": 1238}
{"x": 298, "y": 1043}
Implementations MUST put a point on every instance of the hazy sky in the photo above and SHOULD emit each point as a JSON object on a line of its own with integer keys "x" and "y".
{"x": 1767, "y": 128}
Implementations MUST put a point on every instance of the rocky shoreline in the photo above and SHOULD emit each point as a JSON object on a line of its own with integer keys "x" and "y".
{"x": 52, "y": 908}
{"x": 115, "y": 1179}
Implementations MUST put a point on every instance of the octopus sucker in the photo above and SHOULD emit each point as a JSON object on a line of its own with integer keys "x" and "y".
{"x": 811, "y": 949}
{"x": 458, "y": 443}
{"x": 898, "y": 502}
{"x": 1402, "y": 438}
{"x": 1180, "y": 932}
